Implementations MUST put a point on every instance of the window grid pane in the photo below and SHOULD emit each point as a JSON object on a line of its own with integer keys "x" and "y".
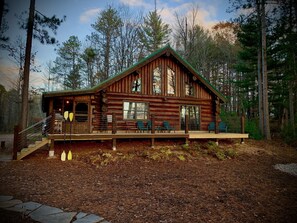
{"x": 135, "y": 110}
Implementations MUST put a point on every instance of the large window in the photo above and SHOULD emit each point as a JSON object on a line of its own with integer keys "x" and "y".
{"x": 189, "y": 89}
{"x": 170, "y": 81}
{"x": 157, "y": 81}
{"x": 135, "y": 110}
{"x": 193, "y": 113}
{"x": 136, "y": 87}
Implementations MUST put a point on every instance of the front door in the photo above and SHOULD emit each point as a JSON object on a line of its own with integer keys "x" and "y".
{"x": 193, "y": 113}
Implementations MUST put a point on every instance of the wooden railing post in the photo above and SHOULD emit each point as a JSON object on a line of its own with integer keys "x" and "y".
{"x": 242, "y": 121}
{"x": 186, "y": 124}
{"x": 114, "y": 131}
{"x": 16, "y": 141}
{"x": 153, "y": 124}
{"x": 114, "y": 124}
{"x": 52, "y": 122}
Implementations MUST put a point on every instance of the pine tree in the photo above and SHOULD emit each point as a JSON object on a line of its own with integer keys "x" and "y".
{"x": 154, "y": 33}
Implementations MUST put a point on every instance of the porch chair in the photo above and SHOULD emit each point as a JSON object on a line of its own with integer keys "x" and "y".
{"x": 167, "y": 126}
{"x": 141, "y": 127}
{"x": 222, "y": 127}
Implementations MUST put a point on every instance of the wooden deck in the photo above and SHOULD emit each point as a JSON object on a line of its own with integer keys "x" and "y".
{"x": 162, "y": 135}
{"x": 145, "y": 135}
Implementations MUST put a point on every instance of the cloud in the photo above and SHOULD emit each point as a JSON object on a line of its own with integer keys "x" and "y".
{"x": 88, "y": 15}
{"x": 136, "y": 3}
{"x": 205, "y": 16}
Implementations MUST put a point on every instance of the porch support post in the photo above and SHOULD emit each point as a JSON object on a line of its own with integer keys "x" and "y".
{"x": 52, "y": 122}
{"x": 114, "y": 124}
{"x": 114, "y": 131}
{"x": 52, "y": 148}
{"x": 153, "y": 143}
{"x": 16, "y": 141}
{"x": 242, "y": 127}
{"x": 114, "y": 144}
{"x": 153, "y": 124}
{"x": 217, "y": 113}
{"x": 153, "y": 131}
{"x": 186, "y": 124}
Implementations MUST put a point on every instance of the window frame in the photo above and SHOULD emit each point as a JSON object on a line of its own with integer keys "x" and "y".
{"x": 136, "y": 110}
{"x": 159, "y": 80}
{"x": 171, "y": 76}
{"x": 188, "y": 86}
{"x": 137, "y": 83}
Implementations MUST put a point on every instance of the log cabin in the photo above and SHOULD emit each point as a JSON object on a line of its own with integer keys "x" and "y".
{"x": 163, "y": 85}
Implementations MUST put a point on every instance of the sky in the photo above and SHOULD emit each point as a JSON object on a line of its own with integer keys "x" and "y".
{"x": 80, "y": 14}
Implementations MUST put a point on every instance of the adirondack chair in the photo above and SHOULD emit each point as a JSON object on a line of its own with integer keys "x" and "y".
{"x": 167, "y": 126}
{"x": 141, "y": 127}
{"x": 222, "y": 127}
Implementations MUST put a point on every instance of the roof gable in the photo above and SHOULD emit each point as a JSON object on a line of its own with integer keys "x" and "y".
{"x": 167, "y": 50}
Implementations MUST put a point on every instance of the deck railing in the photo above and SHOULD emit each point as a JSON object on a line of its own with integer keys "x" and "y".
{"x": 25, "y": 137}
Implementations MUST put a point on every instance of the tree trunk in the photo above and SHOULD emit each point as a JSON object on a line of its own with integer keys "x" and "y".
{"x": 264, "y": 73}
{"x": 2, "y": 3}
{"x": 25, "y": 89}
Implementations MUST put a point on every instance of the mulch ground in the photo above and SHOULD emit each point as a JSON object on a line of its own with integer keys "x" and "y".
{"x": 167, "y": 184}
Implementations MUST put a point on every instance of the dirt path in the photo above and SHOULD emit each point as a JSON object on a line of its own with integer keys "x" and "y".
{"x": 138, "y": 187}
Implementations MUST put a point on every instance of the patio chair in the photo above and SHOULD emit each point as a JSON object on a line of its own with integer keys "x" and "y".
{"x": 167, "y": 126}
{"x": 141, "y": 127}
{"x": 222, "y": 127}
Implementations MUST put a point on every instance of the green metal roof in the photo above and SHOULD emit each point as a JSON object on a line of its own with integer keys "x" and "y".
{"x": 142, "y": 62}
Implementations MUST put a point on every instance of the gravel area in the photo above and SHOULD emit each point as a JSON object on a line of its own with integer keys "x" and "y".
{"x": 290, "y": 168}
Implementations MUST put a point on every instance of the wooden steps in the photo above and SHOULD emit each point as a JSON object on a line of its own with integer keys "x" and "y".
{"x": 32, "y": 148}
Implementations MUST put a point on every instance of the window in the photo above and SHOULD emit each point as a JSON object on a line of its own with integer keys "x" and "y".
{"x": 157, "y": 81}
{"x": 135, "y": 110}
{"x": 189, "y": 89}
{"x": 81, "y": 112}
{"x": 136, "y": 87}
{"x": 170, "y": 81}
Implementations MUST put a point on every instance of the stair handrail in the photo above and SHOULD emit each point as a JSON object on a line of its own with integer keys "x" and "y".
{"x": 31, "y": 134}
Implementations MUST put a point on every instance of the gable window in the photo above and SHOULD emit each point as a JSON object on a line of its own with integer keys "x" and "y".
{"x": 157, "y": 81}
{"x": 170, "y": 81}
{"x": 136, "y": 87}
{"x": 189, "y": 89}
{"x": 135, "y": 110}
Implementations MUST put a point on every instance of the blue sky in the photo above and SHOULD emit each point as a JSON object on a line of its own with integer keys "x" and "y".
{"x": 80, "y": 14}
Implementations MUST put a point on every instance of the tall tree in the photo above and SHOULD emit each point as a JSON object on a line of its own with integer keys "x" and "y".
{"x": 266, "y": 114}
{"x": 36, "y": 27}
{"x": 107, "y": 25}
{"x": 154, "y": 33}
{"x": 89, "y": 56}
{"x": 257, "y": 10}
{"x": 127, "y": 47}
{"x": 68, "y": 63}
{"x": 3, "y": 22}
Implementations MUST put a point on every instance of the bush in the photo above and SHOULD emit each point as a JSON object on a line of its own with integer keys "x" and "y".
{"x": 289, "y": 136}
{"x": 252, "y": 128}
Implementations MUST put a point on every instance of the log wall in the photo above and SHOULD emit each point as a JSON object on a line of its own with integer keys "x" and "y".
{"x": 164, "y": 106}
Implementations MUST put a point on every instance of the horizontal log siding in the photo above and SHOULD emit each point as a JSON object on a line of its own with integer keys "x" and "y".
{"x": 165, "y": 107}
{"x": 164, "y": 110}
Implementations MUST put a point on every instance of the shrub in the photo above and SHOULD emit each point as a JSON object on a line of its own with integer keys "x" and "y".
{"x": 289, "y": 135}
{"x": 252, "y": 128}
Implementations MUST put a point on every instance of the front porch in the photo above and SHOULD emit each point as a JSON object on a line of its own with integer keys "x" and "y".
{"x": 38, "y": 135}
